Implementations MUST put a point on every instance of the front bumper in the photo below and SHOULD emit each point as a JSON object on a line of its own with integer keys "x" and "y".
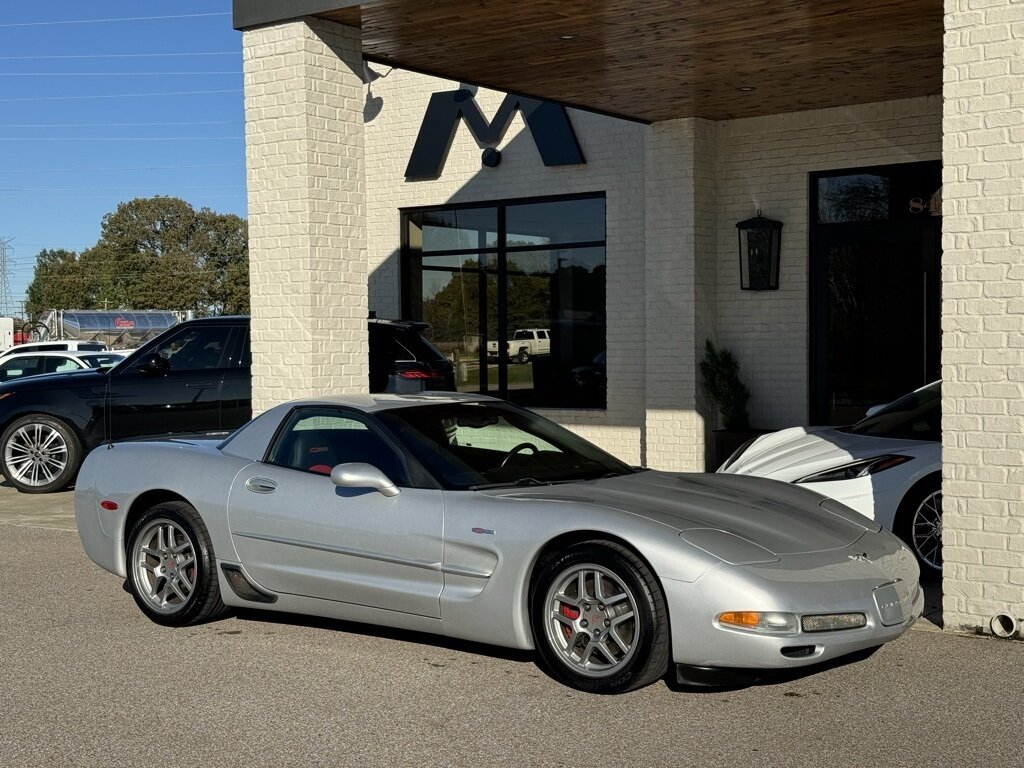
{"x": 841, "y": 581}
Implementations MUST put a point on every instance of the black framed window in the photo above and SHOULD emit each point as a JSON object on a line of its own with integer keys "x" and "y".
{"x": 514, "y": 291}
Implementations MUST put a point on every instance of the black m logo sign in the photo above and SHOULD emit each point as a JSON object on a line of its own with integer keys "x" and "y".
{"x": 547, "y": 122}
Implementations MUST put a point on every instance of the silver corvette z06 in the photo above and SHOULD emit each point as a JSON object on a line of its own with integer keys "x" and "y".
{"x": 469, "y": 517}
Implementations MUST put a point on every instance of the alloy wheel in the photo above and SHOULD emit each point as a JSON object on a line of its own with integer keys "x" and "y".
{"x": 164, "y": 559}
{"x": 592, "y": 620}
{"x": 36, "y": 454}
{"x": 926, "y": 530}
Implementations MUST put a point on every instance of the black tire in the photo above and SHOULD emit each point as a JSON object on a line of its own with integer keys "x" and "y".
{"x": 201, "y": 602}
{"x": 919, "y": 523}
{"x": 523, "y": 357}
{"x": 617, "y": 669}
{"x": 33, "y": 447}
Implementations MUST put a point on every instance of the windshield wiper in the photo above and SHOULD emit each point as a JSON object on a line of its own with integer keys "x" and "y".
{"x": 520, "y": 483}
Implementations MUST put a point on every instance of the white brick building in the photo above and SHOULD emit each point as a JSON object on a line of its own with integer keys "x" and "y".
{"x": 331, "y": 212}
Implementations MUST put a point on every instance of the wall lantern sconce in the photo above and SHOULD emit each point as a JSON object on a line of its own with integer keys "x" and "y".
{"x": 760, "y": 243}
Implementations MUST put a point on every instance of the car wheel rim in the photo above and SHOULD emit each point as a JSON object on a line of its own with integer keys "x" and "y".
{"x": 36, "y": 454}
{"x": 164, "y": 559}
{"x": 926, "y": 530}
{"x": 591, "y": 620}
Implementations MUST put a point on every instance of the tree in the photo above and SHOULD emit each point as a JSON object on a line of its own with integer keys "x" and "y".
{"x": 223, "y": 241}
{"x": 157, "y": 253}
{"x": 59, "y": 282}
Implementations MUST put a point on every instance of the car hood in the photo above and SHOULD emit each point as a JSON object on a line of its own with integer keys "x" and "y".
{"x": 82, "y": 377}
{"x": 793, "y": 453}
{"x": 781, "y": 518}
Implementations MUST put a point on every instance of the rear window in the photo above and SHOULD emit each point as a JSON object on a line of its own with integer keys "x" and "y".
{"x": 401, "y": 344}
{"x": 92, "y": 347}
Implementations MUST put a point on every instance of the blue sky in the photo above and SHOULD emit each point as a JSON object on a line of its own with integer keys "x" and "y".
{"x": 67, "y": 157}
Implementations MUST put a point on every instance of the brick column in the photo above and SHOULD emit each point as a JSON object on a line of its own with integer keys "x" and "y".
{"x": 679, "y": 283}
{"x": 307, "y": 218}
{"x": 983, "y": 312}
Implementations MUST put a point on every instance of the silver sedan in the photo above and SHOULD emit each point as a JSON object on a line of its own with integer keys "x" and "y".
{"x": 469, "y": 517}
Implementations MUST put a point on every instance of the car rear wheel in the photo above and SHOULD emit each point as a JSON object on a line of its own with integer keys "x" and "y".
{"x": 919, "y": 523}
{"x": 39, "y": 454}
{"x": 171, "y": 566}
{"x": 523, "y": 357}
{"x": 599, "y": 619}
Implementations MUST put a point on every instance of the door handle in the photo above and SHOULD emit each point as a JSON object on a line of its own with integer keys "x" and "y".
{"x": 260, "y": 485}
{"x": 202, "y": 385}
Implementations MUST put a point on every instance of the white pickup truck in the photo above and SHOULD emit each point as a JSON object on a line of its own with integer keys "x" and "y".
{"x": 524, "y": 344}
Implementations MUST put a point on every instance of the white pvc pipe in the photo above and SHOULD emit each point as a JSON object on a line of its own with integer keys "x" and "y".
{"x": 1003, "y": 625}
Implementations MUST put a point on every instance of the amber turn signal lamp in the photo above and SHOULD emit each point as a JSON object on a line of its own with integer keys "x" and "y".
{"x": 740, "y": 618}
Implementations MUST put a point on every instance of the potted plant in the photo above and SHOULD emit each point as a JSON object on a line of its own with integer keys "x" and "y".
{"x": 721, "y": 376}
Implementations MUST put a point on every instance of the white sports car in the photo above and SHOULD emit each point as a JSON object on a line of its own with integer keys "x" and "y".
{"x": 888, "y": 467}
{"x": 469, "y": 517}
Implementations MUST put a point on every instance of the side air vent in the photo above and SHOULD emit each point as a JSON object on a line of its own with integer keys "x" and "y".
{"x": 242, "y": 587}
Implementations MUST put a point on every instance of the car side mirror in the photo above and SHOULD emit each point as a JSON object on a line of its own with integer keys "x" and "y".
{"x": 360, "y": 475}
{"x": 153, "y": 365}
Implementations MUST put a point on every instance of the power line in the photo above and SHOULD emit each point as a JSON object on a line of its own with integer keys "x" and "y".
{"x": 110, "y": 189}
{"x": 126, "y": 168}
{"x": 107, "y": 21}
{"x": 121, "y": 138}
{"x": 117, "y": 56}
{"x": 113, "y": 125}
{"x": 119, "y": 74}
{"x": 106, "y": 197}
{"x": 122, "y": 95}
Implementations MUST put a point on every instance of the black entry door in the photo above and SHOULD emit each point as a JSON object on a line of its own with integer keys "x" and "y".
{"x": 875, "y": 252}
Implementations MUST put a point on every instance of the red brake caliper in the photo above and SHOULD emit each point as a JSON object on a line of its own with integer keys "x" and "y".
{"x": 570, "y": 613}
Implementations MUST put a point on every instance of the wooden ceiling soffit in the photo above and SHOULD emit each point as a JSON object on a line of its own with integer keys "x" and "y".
{"x": 665, "y": 59}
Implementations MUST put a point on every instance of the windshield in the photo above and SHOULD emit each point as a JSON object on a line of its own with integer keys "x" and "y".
{"x": 916, "y": 416}
{"x": 470, "y": 445}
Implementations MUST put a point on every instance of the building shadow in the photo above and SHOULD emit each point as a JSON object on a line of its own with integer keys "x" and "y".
{"x": 385, "y": 633}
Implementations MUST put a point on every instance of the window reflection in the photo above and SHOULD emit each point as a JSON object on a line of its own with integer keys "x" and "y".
{"x": 522, "y": 317}
{"x": 855, "y": 197}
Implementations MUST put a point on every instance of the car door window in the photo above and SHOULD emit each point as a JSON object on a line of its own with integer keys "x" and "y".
{"x": 59, "y": 365}
{"x": 194, "y": 348}
{"x": 20, "y": 366}
{"x": 318, "y": 439}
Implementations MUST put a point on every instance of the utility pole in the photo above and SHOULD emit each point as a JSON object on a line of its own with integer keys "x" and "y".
{"x": 6, "y": 268}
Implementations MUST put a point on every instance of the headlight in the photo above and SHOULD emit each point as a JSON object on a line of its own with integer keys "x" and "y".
{"x": 771, "y": 622}
{"x": 736, "y": 454}
{"x": 861, "y": 468}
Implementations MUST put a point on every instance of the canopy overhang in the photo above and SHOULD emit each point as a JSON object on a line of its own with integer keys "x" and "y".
{"x": 652, "y": 61}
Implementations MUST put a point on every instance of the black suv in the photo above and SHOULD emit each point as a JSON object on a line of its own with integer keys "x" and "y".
{"x": 192, "y": 379}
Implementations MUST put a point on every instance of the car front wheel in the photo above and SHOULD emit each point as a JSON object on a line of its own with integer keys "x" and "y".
{"x": 39, "y": 454}
{"x": 171, "y": 566}
{"x": 919, "y": 523}
{"x": 599, "y": 619}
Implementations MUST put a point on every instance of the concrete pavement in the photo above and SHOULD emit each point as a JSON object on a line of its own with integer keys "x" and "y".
{"x": 46, "y": 510}
{"x": 86, "y": 680}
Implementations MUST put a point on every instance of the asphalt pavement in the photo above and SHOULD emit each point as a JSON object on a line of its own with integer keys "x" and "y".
{"x": 87, "y": 680}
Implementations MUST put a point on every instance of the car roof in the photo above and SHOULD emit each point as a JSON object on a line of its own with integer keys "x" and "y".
{"x": 61, "y": 353}
{"x": 383, "y": 401}
{"x": 379, "y": 321}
